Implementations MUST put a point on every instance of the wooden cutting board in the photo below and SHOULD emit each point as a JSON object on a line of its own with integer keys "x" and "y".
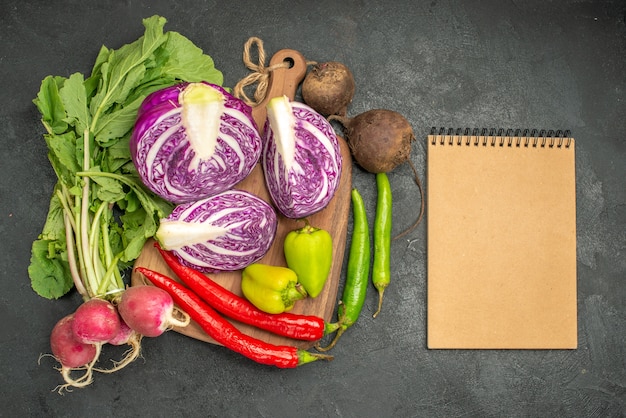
{"x": 334, "y": 219}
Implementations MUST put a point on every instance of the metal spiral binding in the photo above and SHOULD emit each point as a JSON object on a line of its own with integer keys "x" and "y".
{"x": 500, "y": 137}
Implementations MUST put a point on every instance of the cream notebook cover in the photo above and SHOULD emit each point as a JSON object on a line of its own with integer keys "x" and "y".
{"x": 501, "y": 240}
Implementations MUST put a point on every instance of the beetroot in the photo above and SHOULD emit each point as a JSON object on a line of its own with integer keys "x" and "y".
{"x": 329, "y": 88}
{"x": 379, "y": 139}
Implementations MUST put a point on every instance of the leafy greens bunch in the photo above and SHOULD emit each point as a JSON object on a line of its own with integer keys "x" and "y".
{"x": 100, "y": 213}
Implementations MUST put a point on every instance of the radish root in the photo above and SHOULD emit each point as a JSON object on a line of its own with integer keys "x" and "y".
{"x": 84, "y": 380}
{"x": 421, "y": 214}
{"x": 179, "y": 318}
{"x": 130, "y": 355}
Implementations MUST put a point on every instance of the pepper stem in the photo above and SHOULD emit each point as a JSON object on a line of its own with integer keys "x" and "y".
{"x": 329, "y": 328}
{"x": 305, "y": 357}
{"x": 296, "y": 292}
{"x": 381, "y": 290}
{"x": 340, "y": 331}
{"x": 307, "y": 228}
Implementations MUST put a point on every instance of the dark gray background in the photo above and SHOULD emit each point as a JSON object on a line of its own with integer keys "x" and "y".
{"x": 538, "y": 64}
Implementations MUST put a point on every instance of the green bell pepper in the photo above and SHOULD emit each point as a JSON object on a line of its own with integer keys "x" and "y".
{"x": 272, "y": 289}
{"x": 309, "y": 252}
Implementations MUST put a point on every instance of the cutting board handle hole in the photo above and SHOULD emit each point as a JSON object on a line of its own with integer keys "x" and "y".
{"x": 289, "y": 61}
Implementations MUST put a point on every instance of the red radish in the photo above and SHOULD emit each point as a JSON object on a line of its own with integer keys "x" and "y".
{"x": 148, "y": 310}
{"x": 123, "y": 335}
{"x": 128, "y": 336}
{"x": 96, "y": 321}
{"x": 66, "y": 348}
{"x": 72, "y": 354}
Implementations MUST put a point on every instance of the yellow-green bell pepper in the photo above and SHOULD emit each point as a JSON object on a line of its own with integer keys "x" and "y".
{"x": 309, "y": 252}
{"x": 272, "y": 289}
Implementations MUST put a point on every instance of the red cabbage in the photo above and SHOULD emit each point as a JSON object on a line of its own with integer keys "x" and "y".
{"x": 301, "y": 158}
{"x": 224, "y": 232}
{"x": 174, "y": 165}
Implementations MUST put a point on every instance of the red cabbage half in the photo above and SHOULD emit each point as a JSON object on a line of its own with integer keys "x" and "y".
{"x": 224, "y": 232}
{"x": 301, "y": 158}
{"x": 194, "y": 140}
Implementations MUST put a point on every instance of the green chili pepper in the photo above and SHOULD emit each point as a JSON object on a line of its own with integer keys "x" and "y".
{"x": 272, "y": 289}
{"x": 381, "y": 271}
{"x": 357, "y": 276}
{"x": 309, "y": 252}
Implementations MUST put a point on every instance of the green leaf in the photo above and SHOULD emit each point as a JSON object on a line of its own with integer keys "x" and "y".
{"x": 63, "y": 156}
{"x": 103, "y": 56}
{"x": 138, "y": 227}
{"x": 152, "y": 203}
{"x": 74, "y": 97}
{"x": 130, "y": 80}
{"x": 112, "y": 126}
{"x": 153, "y": 35}
{"x": 102, "y": 86}
{"x": 54, "y": 228}
{"x": 49, "y": 270}
{"x": 50, "y": 105}
{"x": 116, "y": 156}
{"x": 75, "y": 190}
{"x": 132, "y": 202}
{"x": 187, "y": 62}
{"x": 126, "y": 66}
{"x": 107, "y": 189}
{"x": 151, "y": 83}
{"x": 115, "y": 236}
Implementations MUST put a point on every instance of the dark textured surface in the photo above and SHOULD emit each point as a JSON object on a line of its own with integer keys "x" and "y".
{"x": 552, "y": 65}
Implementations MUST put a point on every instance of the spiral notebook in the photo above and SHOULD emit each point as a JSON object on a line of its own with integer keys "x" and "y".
{"x": 501, "y": 240}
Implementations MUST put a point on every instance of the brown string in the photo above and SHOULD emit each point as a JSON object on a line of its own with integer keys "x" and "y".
{"x": 260, "y": 73}
{"x": 259, "y": 76}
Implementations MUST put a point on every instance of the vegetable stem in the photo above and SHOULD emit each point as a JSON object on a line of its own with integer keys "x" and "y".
{"x": 78, "y": 242}
{"x": 94, "y": 239}
{"x": 106, "y": 245}
{"x": 123, "y": 179}
{"x": 78, "y": 283}
{"x": 107, "y": 278}
{"x": 84, "y": 221}
{"x": 66, "y": 208}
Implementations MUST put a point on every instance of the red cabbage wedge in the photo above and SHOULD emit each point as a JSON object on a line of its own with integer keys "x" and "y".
{"x": 224, "y": 232}
{"x": 194, "y": 140}
{"x": 301, "y": 158}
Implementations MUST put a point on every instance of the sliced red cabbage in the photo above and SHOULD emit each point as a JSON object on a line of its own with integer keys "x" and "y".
{"x": 224, "y": 232}
{"x": 194, "y": 140}
{"x": 301, "y": 158}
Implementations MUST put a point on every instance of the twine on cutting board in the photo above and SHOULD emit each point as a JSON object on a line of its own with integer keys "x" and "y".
{"x": 260, "y": 73}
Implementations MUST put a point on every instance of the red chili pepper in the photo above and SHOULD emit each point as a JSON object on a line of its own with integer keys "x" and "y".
{"x": 300, "y": 327}
{"x": 225, "y": 333}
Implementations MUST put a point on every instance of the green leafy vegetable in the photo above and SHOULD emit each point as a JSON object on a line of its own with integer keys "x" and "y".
{"x": 100, "y": 213}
